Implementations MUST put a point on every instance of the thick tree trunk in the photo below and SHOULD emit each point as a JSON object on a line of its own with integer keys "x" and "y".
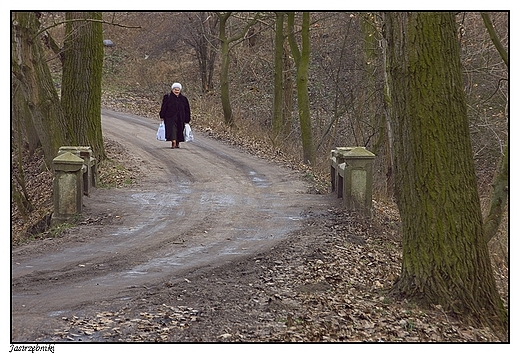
{"x": 21, "y": 118}
{"x": 81, "y": 83}
{"x": 18, "y": 186}
{"x": 445, "y": 255}
{"x": 34, "y": 86}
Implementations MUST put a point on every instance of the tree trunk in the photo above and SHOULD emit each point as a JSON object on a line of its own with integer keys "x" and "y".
{"x": 387, "y": 109}
{"x": 31, "y": 76}
{"x": 376, "y": 97}
{"x": 224, "y": 71}
{"x": 500, "y": 193}
{"x": 18, "y": 186}
{"x": 21, "y": 118}
{"x": 81, "y": 83}
{"x": 278, "y": 122}
{"x": 445, "y": 255}
{"x": 499, "y": 197}
{"x": 201, "y": 34}
{"x": 288, "y": 89}
{"x": 225, "y": 47}
{"x": 301, "y": 58}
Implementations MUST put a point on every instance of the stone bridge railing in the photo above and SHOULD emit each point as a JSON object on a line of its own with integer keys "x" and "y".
{"x": 351, "y": 177}
{"x": 75, "y": 175}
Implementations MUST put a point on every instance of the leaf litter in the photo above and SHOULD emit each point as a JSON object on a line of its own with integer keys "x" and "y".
{"x": 327, "y": 283}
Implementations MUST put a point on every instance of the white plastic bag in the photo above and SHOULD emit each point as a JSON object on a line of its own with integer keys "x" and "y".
{"x": 161, "y": 132}
{"x": 188, "y": 133}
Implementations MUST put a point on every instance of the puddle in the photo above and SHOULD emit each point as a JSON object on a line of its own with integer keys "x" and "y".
{"x": 158, "y": 199}
{"x": 258, "y": 181}
{"x": 222, "y": 200}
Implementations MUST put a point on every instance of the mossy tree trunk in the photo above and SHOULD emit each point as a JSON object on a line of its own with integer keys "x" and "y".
{"x": 81, "y": 83}
{"x": 445, "y": 255}
{"x": 301, "y": 59}
{"x": 21, "y": 119}
{"x": 34, "y": 93}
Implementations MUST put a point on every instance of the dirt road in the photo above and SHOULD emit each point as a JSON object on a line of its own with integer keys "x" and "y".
{"x": 198, "y": 207}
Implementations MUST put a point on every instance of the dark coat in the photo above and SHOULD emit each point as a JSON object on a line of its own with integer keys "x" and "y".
{"x": 175, "y": 111}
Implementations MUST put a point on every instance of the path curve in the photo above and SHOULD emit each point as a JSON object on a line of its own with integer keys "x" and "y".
{"x": 199, "y": 206}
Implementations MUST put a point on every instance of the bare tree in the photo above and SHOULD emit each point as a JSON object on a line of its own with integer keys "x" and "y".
{"x": 500, "y": 194}
{"x": 202, "y": 36}
{"x": 226, "y": 44}
{"x": 278, "y": 103}
{"x": 301, "y": 59}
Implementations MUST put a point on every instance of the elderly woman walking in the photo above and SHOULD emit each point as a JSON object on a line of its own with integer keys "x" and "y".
{"x": 175, "y": 111}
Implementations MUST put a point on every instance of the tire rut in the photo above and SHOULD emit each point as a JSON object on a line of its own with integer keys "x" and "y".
{"x": 199, "y": 206}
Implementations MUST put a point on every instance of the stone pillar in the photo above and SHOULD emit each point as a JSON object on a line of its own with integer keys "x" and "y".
{"x": 333, "y": 166}
{"x": 67, "y": 187}
{"x": 337, "y": 158}
{"x": 340, "y": 179}
{"x": 85, "y": 152}
{"x": 357, "y": 178}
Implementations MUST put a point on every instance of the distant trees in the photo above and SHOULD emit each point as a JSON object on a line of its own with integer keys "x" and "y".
{"x": 282, "y": 85}
{"x": 202, "y": 36}
{"x": 226, "y": 43}
{"x": 445, "y": 256}
{"x": 346, "y": 74}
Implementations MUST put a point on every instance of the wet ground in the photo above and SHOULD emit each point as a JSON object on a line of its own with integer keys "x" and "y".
{"x": 199, "y": 207}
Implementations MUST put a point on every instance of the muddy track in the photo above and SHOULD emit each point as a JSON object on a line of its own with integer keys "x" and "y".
{"x": 199, "y": 206}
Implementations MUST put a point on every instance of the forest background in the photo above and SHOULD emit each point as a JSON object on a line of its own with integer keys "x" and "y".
{"x": 346, "y": 84}
{"x": 346, "y": 87}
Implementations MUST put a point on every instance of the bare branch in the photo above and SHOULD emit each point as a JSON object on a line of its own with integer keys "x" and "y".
{"x": 494, "y": 37}
{"x": 85, "y": 20}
